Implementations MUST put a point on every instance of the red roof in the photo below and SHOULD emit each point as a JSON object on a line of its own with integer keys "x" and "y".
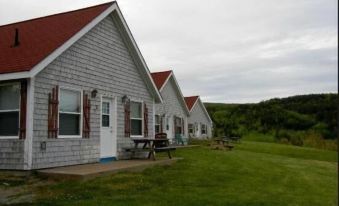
{"x": 160, "y": 78}
{"x": 190, "y": 101}
{"x": 40, "y": 37}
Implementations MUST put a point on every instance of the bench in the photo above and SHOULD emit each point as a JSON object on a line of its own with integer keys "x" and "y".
{"x": 163, "y": 146}
{"x": 165, "y": 149}
{"x": 180, "y": 139}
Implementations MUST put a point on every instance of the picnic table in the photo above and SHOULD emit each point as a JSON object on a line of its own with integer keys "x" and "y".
{"x": 223, "y": 143}
{"x": 152, "y": 146}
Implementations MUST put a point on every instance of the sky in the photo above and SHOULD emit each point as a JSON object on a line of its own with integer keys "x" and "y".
{"x": 234, "y": 51}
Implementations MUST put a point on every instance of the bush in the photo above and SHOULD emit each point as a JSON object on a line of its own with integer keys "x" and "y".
{"x": 314, "y": 139}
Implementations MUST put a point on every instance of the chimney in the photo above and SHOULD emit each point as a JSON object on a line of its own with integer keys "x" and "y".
{"x": 16, "y": 38}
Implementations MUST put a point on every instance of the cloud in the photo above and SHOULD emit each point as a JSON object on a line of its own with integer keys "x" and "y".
{"x": 226, "y": 51}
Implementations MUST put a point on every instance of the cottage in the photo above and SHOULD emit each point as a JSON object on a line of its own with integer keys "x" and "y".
{"x": 73, "y": 89}
{"x": 199, "y": 122}
{"x": 170, "y": 115}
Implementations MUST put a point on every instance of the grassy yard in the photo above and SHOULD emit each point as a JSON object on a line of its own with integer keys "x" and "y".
{"x": 254, "y": 173}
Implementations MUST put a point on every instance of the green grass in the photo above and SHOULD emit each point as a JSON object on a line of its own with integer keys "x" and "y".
{"x": 254, "y": 173}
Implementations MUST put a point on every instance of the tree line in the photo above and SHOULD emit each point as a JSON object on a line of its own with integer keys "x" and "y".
{"x": 289, "y": 119}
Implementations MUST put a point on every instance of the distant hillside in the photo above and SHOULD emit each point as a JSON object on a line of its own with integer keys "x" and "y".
{"x": 284, "y": 118}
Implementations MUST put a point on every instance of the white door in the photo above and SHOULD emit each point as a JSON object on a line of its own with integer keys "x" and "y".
{"x": 108, "y": 139}
{"x": 197, "y": 129}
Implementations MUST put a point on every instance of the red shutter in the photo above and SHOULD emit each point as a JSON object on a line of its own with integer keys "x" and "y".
{"x": 86, "y": 129}
{"x": 53, "y": 103}
{"x": 145, "y": 121}
{"x": 127, "y": 119}
{"x": 23, "y": 109}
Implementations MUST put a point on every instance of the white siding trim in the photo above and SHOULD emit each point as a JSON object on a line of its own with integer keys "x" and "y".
{"x": 29, "y": 130}
{"x": 16, "y": 75}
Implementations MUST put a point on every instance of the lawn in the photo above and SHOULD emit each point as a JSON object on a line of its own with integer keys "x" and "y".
{"x": 254, "y": 173}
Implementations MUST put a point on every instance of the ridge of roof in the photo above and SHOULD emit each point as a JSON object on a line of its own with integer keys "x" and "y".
{"x": 51, "y": 15}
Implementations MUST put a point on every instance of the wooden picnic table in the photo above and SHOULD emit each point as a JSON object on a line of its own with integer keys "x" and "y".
{"x": 152, "y": 145}
{"x": 224, "y": 142}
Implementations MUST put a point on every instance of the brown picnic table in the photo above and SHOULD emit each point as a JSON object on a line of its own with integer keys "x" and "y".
{"x": 225, "y": 143}
{"x": 152, "y": 146}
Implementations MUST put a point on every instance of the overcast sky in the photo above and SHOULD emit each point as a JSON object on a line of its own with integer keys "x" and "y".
{"x": 225, "y": 50}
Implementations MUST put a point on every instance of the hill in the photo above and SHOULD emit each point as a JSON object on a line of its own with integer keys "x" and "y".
{"x": 299, "y": 120}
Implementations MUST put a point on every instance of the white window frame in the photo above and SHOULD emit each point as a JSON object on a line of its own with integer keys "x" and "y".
{"x": 142, "y": 118}
{"x": 109, "y": 114}
{"x": 81, "y": 113}
{"x": 12, "y": 110}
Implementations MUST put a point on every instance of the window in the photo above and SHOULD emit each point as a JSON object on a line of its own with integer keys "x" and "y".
{"x": 105, "y": 119}
{"x": 203, "y": 129}
{"x": 178, "y": 125}
{"x": 157, "y": 124}
{"x": 70, "y": 112}
{"x": 9, "y": 109}
{"x": 190, "y": 128}
{"x": 136, "y": 119}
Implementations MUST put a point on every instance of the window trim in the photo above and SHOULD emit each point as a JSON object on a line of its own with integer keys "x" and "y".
{"x": 81, "y": 113}
{"x": 109, "y": 114}
{"x": 12, "y": 110}
{"x": 142, "y": 118}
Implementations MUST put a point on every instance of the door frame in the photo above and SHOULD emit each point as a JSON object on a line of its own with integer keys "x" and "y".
{"x": 114, "y": 126}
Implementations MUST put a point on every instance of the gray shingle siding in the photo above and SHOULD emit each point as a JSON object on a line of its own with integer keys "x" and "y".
{"x": 12, "y": 154}
{"x": 171, "y": 105}
{"x": 99, "y": 60}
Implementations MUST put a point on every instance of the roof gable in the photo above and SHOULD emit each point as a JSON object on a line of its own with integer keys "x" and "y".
{"x": 40, "y": 37}
{"x": 160, "y": 78}
{"x": 193, "y": 101}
